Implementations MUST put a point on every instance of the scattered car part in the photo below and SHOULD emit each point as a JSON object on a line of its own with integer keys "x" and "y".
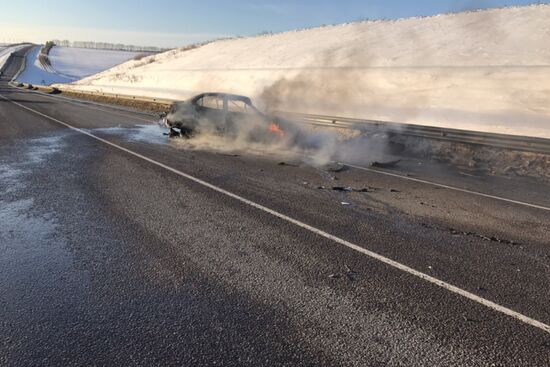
{"x": 389, "y": 164}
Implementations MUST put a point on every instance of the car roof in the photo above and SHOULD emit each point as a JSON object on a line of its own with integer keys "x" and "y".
{"x": 223, "y": 95}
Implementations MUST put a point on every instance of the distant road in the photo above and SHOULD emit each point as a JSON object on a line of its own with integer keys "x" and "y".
{"x": 118, "y": 247}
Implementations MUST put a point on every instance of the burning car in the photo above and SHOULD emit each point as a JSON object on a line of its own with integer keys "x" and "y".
{"x": 220, "y": 113}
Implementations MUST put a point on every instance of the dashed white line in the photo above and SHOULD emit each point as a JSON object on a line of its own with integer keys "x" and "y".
{"x": 428, "y": 278}
{"x": 448, "y": 187}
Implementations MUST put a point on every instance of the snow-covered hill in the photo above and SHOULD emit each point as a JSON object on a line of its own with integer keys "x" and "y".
{"x": 484, "y": 70}
{"x": 70, "y": 64}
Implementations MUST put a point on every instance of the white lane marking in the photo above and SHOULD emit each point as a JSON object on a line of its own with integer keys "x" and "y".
{"x": 440, "y": 283}
{"x": 448, "y": 187}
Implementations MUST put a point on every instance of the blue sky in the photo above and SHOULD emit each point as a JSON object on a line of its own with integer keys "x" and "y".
{"x": 170, "y": 23}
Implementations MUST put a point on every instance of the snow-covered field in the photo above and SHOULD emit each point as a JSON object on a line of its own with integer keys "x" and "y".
{"x": 35, "y": 73}
{"x": 82, "y": 62}
{"x": 485, "y": 70}
{"x": 70, "y": 64}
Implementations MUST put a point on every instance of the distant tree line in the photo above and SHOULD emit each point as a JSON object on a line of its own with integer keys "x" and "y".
{"x": 108, "y": 46}
{"x": 47, "y": 47}
{"x": 43, "y": 57}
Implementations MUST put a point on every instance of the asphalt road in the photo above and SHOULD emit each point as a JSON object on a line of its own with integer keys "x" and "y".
{"x": 137, "y": 250}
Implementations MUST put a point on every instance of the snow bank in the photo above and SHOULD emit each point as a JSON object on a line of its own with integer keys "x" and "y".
{"x": 484, "y": 70}
{"x": 70, "y": 64}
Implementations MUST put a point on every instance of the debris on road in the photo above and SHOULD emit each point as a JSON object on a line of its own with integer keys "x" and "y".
{"x": 345, "y": 203}
{"x": 456, "y": 232}
{"x": 288, "y": 164}
{"x": 172, "y": 133}
{"x": 389, "y": 164}
{"x": 484, "y": 238}
{"x": 469, "y": 319}
{"x": 346, "y": 189}
{"x": 349, "y": 189}
{"x": 342, "y": 188}
{"x": 334, "y": 167}
{"x": 348, "y": 273}
{"x": 394, "y": 190}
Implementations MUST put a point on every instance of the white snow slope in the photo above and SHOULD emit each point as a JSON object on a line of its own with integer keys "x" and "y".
{"x": 70, "y": 64}
{"x": 485, "y": 70}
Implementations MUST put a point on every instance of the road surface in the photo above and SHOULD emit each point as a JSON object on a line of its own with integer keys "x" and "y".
{"x": 118, "y": 247}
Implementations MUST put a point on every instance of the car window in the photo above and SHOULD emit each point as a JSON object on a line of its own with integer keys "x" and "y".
{"x": 211, "y": 102}
{"x": 234, "y": 105}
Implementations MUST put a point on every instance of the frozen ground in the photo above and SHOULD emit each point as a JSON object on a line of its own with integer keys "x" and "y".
{"x": 70, "y": 64}
{"x": 485, "y": 70}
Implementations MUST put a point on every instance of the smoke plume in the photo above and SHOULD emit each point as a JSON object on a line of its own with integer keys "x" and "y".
{"x": 284, "y": 139}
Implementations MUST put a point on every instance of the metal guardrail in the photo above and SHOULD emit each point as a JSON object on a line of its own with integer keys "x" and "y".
{"x": 161, "y": 101}
{"x": 503, "y": 141}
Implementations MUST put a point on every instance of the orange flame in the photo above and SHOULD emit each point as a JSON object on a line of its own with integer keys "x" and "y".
{"x": 276, "y": 129}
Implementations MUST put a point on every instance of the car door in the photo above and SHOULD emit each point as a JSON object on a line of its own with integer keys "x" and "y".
{"x": 211, "y": 111}
{"x": 241, "y": 111}
{"x": 237, "y": 113}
